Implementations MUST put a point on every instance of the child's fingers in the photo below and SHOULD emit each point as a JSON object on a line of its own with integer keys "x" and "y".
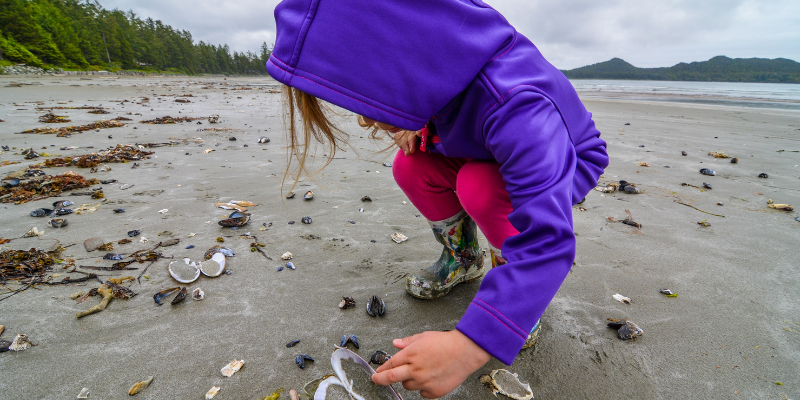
{"x": 404, "y": 342}
{"x": 393, "y": 375}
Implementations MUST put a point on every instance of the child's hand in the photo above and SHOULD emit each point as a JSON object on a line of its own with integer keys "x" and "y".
{"x": 434, "y": 363}
{"x": 407, "y": 141}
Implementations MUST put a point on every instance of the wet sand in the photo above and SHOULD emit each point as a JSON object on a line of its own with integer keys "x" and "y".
{"x": 733, "y": 331}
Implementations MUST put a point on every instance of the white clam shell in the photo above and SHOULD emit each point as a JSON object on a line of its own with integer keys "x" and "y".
{"x": 184, "y": 271}
{"x": 398, "y": 237}
{"x": 341, "y": 378}
{"x": 214, "y": 267}
{"x": 198, "y": 294}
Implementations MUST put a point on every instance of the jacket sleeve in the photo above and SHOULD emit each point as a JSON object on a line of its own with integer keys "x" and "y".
{"x": 529, "y": 139}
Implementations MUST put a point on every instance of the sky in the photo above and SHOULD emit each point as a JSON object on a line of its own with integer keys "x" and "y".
{"x": 570, "y": 33}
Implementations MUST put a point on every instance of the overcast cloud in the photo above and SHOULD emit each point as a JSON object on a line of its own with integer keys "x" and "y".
{"x": 570, "y": 33}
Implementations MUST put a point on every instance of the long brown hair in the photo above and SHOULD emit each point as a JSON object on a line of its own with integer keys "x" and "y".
{"x": 312, "y": 116}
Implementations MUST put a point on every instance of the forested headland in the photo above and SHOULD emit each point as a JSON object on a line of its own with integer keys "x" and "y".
{"x": 82, "y": 35}
{"x": 717, "y": 69}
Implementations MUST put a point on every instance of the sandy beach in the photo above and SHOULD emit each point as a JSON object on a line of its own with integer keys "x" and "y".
{"x": 733, "y": 332}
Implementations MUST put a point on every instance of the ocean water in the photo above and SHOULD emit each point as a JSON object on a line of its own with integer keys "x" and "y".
{"x": 761, "y": 95}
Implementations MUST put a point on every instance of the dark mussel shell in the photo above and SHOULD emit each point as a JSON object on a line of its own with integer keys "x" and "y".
{"x": 34, "y": 172}
{"x": 290, "y": 195}
{"x": 226, "y": 251}
{"x": 133, "y": 233}
{"x": 734, "y": 160}
{"x": 293, "y": 343}
{"x": 349, "y": 339}
{"x": 112, "y": 256}
{"x": 4, "y": 344}
{"x": 306, "y": 220}
{"x": 6, "y": 148}
{"x": 119, "y": 210}
{"x": 709, "y": 172}
{"x": 301, "y": 359}
{"x": 179, "y": 298}
{"x": 622, "y": 185}
{"x": 235, "y": 219}
{"x": 41, "y": 212}
{"x": 630, "y": 189}
{"x": 62, "y": 204}
{"x": 347, "y": 302}
{"x": 63, "y": 211}
{"x": 290, "y": 265}
{"x": 380, "y": 357}
{"x": 683, "y": 153}
{"x": 9, "y": 183}
{"x": 706, "y": 185}
{"x": 626, "y": 330}
{"x": 376, "y": 306}
{"x": 110, "y": 181}
{"x": 366, "y": 198}
{"x": 309, "y": 195}
{"x": 763, "y": 175}
{"x": 58, "y": 222}
{"x": 158, "y": 297}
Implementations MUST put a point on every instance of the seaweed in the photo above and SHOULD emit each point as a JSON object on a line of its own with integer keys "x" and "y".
{"x": 27, "y": 264}
{"x": 168, "y": 120}
{"x": 119, "y": 154}
{"x": 69, "y": 130}
{"x": 51, "y": 118}
{"x": 44, "y": 187}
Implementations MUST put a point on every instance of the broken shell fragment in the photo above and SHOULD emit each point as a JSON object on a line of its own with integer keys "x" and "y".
{"x": 508, "y": 384}
{"x": 630, "y": 189}
{"x": 309, "y": 195}
{"x": 782, "y": 207}
{"x": 286, "y": 256}
{"x": 763, "y": 175}
{"x": 293, "y": 343}
{"x": 235, "y": 219}
{"x": 709, "y": 172}
{"x": 301, "y": 359}
{"x": 213, "y": 118}
{"x": 366, "y": 198}
{"x": 643, "y": 164}
{"x": 139, "y": 386}
{"x": 231, "y": 206}
{"x": 734, "y": 160}
{"x": 379, "y": 357}
{"x": 214, "y": 267}
{"x": 198, "y": 294}
{"x": 626, "y": 330}
{"x": 306, "y": 220}
{"x": 263, "y": 139}
{"x": 376, "y": 306}
{"x": 398, "y": 237}
{"x": 58, "y": 222}
{"x": 290, "y": 265}
{"x": 226, "y": 251}
{"x": 290, "y": 195}
{"x": 212, "y": 392}
{"x": 179, "y": 298}
{"x": 84, "y": 394}
{"x": 232, "y": 367}
{"x": 347, "y": 302}
{"x": 184, "y": 271}
{"x": 160, "y": 296}
{"x": 20, "y": 342}
{"x": 707, "y": 186}
{"x": 622, "y": 299}
{"x": 704, "y": 224}
{"x": 668, "y": 293}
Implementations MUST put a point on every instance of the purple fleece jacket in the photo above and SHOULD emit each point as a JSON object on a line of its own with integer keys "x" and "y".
{"x": 493, "y": 96}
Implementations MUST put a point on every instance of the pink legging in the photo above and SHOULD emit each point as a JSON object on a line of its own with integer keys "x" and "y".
{"x": 441, "y": 186}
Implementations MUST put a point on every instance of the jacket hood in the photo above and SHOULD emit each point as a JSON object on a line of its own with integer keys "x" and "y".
{"x": 398, "y": 62}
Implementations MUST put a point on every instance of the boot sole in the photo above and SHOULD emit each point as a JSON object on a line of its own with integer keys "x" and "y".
{"x": 426, "y": 294}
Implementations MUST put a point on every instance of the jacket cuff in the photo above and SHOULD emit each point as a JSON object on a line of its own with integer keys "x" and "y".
{"x": 492, "y": 331}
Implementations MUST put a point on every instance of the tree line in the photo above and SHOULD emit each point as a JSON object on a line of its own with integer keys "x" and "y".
{"x": 717, "y": 69}
{"x": 81, "y": 34}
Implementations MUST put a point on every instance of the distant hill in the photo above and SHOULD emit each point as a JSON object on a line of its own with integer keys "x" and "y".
{"x": 717, "y": 69}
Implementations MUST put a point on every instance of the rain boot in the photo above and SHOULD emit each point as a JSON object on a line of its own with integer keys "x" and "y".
{"x": 461, "y": 259}
{"x": 533, "y": 337}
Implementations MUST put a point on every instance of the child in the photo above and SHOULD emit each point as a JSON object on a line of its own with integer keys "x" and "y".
{"x": 495, "y": 122}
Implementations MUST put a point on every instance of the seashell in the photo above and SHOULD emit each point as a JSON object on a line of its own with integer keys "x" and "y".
{"x": 212, "y": 392}
{"x": 631, "y": 189}
{"x": 235, "y": 219}
{"x": 379, "y": 357}
{"x": 707, "y": 186}
{"x": 213, "y": 118}
{"x": 306, "y": 220}
{"x": 93, "y": 244}
{"x": 9, "y": 183}
{"x": 366, "y": 198}
{"x": 309, "y": 195}
{"x": 214, "y": 267}
{"x": 41, "y": 212}
{"x": 782, "y": 207}
{"x": 4, "y": 345}
{"x": 508, "y": 384}
{"x": 668, "y": 293}
{"x": 232, "y": 367}
{"x": 706, "y": 171}
{"x": 62, "y": 203}
{"x": 301, "y": 359}
{"x": 206, "y": 151}
{"x": 134, "y": 233}
{"x": 734, "y": 160}
{"x": 198, "y": 294}
{"x": 20, "y": 343}
{"x": 63, "y": 211}
{"x": 230, "y": 206}
{"x": 355, "y": 386}
{"x": 626, "y": 330}
{"x": 33, "y": 233}
{"x": 349, "y": 339}
{"x": 286, "y": 256}
{"x": 347, "y": 302}
{"x": 112, "y": 256}
{"x": 263, "y": 139}
{"x": 293, "y": 343}
{"x": 622, "y": 299}
{"x": 143, "y": 240}
{"x": 280, "y": 269}
{"x": 243, "y": 203}
{"x": 227, "y": 252}
{"x": 84, "y": 394}
{"x": 290, "y": 265}
{"x": 376, "y": 306}
{"x": 643, "y": 164}
{"x": 179, "y": 297}
{"x": 86, "y": 209}
{"x": 387, "y": 164}
{"x": 763, "y": 175}
{"x": 704, "y": 224}
{"x": 351, "y": 221}
{"x": 139, "y": 386}
{"x": 158, "y": 297}
{"x": 398, "y": 237}
{"x": 58, "y": 222}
